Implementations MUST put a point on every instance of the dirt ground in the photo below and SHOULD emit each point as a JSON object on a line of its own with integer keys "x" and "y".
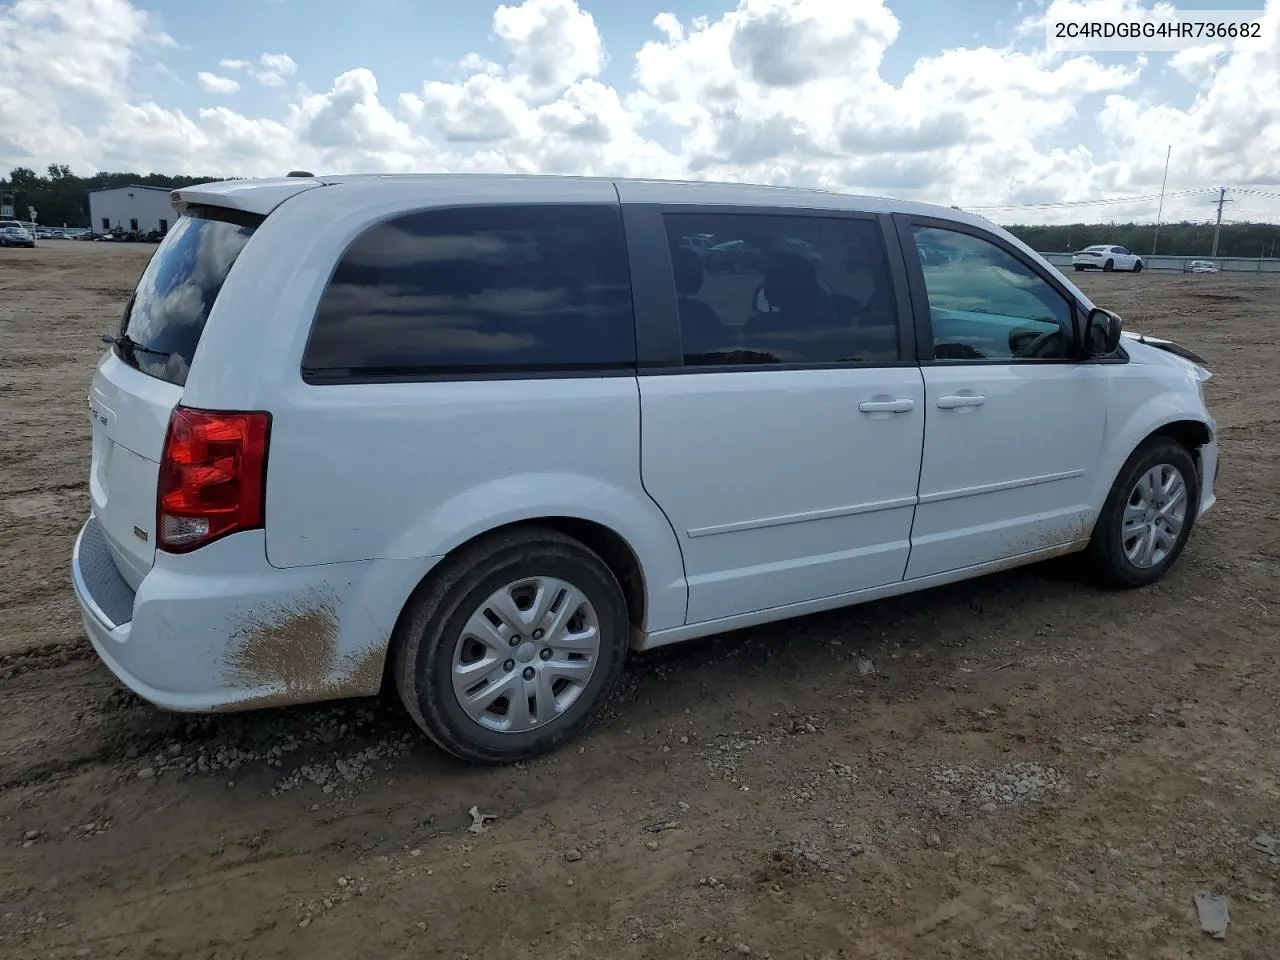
{"x": 1016, "y": 767}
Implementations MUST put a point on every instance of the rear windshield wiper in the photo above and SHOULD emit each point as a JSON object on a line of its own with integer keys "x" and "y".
{"x": 129, "y": 345}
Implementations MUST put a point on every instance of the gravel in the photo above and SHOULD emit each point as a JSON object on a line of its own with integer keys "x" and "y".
{"x": 723, "y": 762}
{"x": 989, "y": 789}
{"x": 332, "y": 772}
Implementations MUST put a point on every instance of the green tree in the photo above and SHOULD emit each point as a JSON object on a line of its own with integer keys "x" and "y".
{"x": 60, "y": 197}
{"x": 1176, "y": 239}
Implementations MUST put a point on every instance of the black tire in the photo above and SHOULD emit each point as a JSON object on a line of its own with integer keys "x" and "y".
{"x": 1079, "y": 268}
{"x": 1106, "y": 557}
{"x": 432, "y": 624}
{"x": 1137, "y": 266}
{"x": 1109, "y": 266}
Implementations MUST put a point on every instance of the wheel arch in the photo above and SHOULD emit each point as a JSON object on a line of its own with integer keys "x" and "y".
{"x": 1192, "y": 434}
{"x": 1186, "y": 429}
{"x": 617, "y": 553}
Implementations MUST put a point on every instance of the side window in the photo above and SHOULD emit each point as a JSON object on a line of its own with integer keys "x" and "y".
{"x": 986, "y": 304}
{"x": 479, "y": 290}
{"x": 778, "y": 289}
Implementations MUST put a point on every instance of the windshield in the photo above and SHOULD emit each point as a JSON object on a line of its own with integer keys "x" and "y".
{"x": 176, "y": 294}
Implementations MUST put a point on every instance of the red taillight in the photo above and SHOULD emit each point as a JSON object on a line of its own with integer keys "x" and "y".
{"x": 213, "y": 476}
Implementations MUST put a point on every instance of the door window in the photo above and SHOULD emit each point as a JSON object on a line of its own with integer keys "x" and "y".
{"x": 479, "y": 290}
{"x": 986, "y": 304}
{"x": 777, "y": 289}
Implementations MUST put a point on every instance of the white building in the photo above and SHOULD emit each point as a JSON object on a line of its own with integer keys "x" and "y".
{"x": 131, "y": 208}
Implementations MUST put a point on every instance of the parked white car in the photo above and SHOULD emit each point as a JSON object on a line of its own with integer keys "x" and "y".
{"x": 483, "y": 435}
{"x": 1200, "y": 266}
{"x": 1106, "y": 257}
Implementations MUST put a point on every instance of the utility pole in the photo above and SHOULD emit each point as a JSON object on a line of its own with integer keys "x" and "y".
{"x": 1222, "y": 198}
{"x": 1160, "y": 210}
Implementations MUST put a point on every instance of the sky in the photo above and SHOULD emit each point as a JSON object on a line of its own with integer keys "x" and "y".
{"x": 946, "y": 102}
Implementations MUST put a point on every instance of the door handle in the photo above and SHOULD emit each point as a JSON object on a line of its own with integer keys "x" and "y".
{"x": 954, "y": 400}
{"x": 901, "y": 405}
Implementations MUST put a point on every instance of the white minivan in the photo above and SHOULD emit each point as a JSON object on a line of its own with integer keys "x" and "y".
{"x": 482, "y": 435}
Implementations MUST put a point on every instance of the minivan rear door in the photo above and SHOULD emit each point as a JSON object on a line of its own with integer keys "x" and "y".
{"x": 140, "y": 380}
{"x": 782, "y": 413}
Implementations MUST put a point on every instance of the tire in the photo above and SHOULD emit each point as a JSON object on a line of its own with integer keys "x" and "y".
{"x": 1079, "y": 268}
{"x": 1109, "y": 266}
{"x": 1108, "y": 560}
{"x": 431, "y": 642}
{"x": 1137, "y": 266}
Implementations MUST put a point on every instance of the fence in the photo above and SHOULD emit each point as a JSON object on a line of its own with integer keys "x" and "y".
{"x": 1164, "y": 264}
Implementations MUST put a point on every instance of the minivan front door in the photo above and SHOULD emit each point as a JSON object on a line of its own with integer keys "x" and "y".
{"x": 784, "y": 442}
{"x": 1014, "y": 422}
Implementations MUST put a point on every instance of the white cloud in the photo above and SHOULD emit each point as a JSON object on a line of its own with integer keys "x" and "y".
{"x": 552, "y": 43}
{"x": 275, "y": 69}
{"x": 1198, "y": 64}
{"x": 780, "y": 91}
{"x": 213, "y": 83}
{"x": 270, "y": 70}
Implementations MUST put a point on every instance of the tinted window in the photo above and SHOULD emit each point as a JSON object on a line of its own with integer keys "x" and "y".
{"x": 172, "y": 302}
{"x": 479, "y": 290}
{"x": 782, "y": 289}
{"x": 986, "y": 304}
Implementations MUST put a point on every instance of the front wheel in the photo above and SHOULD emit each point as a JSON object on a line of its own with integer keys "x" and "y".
{"x": 1137, "y": 267}
{"x": 1148, "y": 516}
{"x": 513, "y": 647}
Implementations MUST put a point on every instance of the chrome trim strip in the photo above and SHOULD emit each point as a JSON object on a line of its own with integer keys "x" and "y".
{"x": 830, "y": 513}
{"x": 1003, "y": 485}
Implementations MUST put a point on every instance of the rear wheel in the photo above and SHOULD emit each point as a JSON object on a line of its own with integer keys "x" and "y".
{"x": 1109, "y": 266}
{"x": 513, "y": 647}
{"x": 1148, "y": 516}
{"x": 1079, "y": 267}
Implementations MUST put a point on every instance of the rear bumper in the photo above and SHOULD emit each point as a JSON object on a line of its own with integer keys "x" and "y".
{"x": 222, "y": 630}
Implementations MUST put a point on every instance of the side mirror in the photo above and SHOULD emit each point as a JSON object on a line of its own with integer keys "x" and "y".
{"x": 1102, "y": 330}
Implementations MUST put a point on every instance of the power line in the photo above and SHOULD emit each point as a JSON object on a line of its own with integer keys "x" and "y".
{"x": 1085, "y": 203}
{"x": 1145, "y": 198}
{"x": 1257, "y": 193}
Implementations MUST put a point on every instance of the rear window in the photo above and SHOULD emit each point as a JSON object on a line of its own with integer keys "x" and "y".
{"x": 467, "y": 291}
{"x": 166, "y": 316}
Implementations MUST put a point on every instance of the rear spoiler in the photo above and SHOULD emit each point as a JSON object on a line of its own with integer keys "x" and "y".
{"x": 254, "y": 197}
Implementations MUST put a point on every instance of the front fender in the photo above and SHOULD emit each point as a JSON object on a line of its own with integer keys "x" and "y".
{"x": 533, "y": 496}
{"x": 1128, "y": 433}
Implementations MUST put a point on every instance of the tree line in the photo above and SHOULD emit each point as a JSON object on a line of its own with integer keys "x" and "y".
{"x": 1176, "y": 239}
{"x": 60, "y": 197}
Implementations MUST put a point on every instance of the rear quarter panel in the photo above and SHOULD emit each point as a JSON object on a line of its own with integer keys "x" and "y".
{"x": 412, "y": 470}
